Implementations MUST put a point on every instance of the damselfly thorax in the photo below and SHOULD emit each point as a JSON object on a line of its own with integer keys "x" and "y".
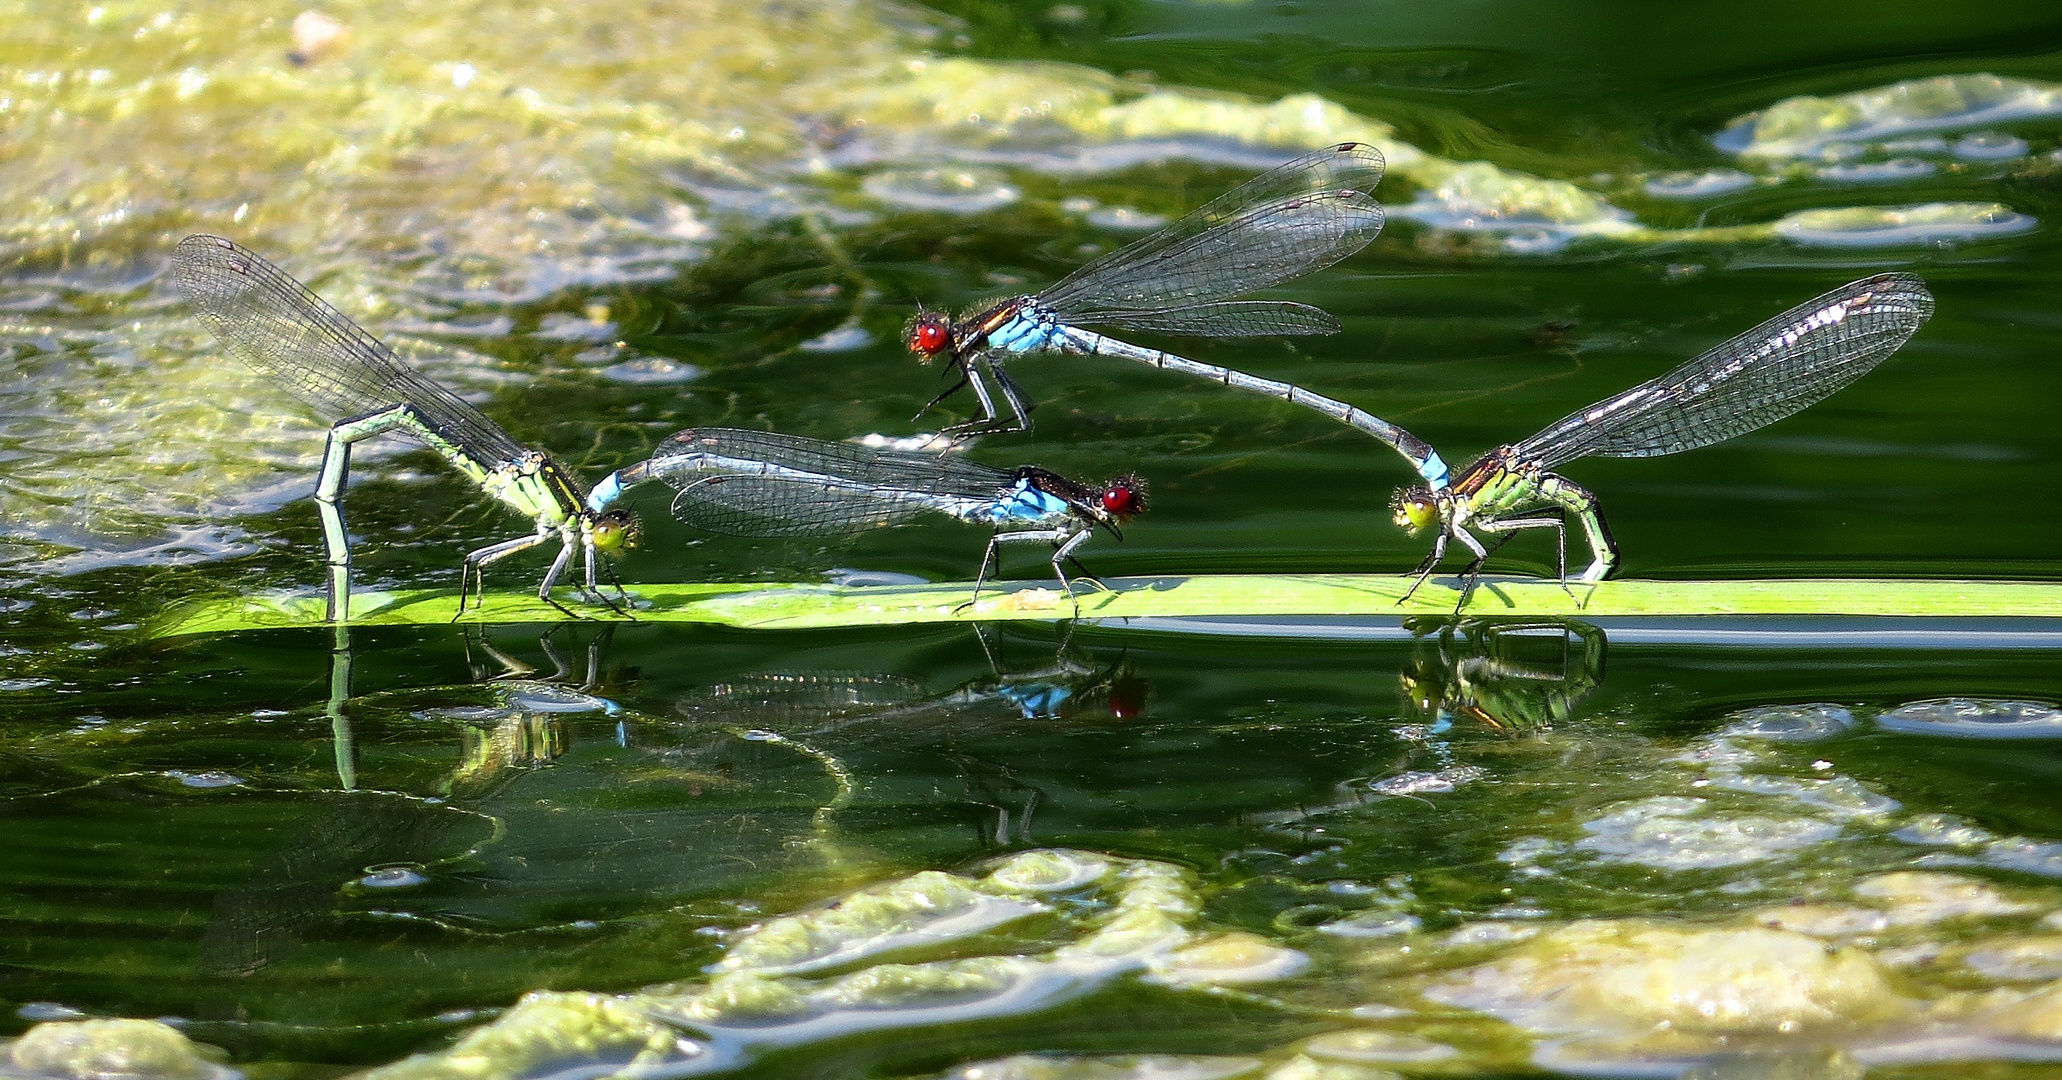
{"x": 532, "y": 483}
{"x": 1010, "y": 322}
{"x": 1495, "y": 484}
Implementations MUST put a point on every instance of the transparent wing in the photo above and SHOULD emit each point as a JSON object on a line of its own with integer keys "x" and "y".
{"x": 1780, "y": 367}
{"x": 745, "y": 505}
{"x": 1239, "y": 318}
{"x": 274, "y": 324}
{"x": 764, "y": 483}
{"x": 696, "y": 452}
{"x": 784, "y": 699}
{"x": 1296, "y": 219}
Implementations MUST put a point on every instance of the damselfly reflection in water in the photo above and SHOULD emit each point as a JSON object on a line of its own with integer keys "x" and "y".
{"x": 872, "y": 726}
{"x": 1291, "y": 221}
{"x": 511, "y": 712}
{"x": 281, "y": 329}
{"x": 1778, "y": 368}
{"x": 1514, "y": 678}
{"x": 1067, "y": 686}
{"x": 763, "y": 483}
{"x": 1467, "y": 681}
{"x": 384, "y": 837}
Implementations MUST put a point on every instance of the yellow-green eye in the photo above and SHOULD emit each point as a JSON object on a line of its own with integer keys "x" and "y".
{"x": 1415, "y": 509}
{"x": 616, "y": 530}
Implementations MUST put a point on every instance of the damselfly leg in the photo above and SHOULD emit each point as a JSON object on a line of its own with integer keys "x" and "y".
{"x": 1064, "y": 541}
{"x": 329, "y": 494}
{"x": 1555, "y": 518}
{"x": 472, "y": 572}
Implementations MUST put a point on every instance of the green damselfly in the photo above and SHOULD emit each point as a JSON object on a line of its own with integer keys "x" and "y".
{"x": 277, "y": 326}
{"x": 1782, "y": 366}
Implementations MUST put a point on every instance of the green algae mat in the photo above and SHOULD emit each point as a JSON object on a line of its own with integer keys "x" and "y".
{"x": 806, "y": 606}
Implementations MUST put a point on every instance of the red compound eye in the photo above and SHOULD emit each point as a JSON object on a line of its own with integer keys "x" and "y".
{"x": 1121, "y": 501}
{"x": 1129, "y": 698}
{"x": 930, "y": 336}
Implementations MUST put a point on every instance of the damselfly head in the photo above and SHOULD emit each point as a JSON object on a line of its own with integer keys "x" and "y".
{"x": 1123, "y": 497}
{"x": 1414, "y": 509}
{"x": 616, "y": 530}
{"x": 1422, "y": 686}
{"x": 1129, "y": 697}
{"x": 929, "y": 334}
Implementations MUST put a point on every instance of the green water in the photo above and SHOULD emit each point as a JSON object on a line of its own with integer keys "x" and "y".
{"x": 1526, "y": 849}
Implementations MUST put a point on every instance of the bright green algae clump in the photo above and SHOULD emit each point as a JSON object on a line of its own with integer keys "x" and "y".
{"x": 1802, "y": 126}
{"x": 508, "y": 130}
{"x": 91, "y": 1049}
{"x": 1111, "y": 916}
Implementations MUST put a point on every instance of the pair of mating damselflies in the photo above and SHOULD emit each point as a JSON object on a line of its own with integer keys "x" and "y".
{"x": 1318, "y": 209}
{"x": 745, "y": 483}
{"x": 1185, "y": 279}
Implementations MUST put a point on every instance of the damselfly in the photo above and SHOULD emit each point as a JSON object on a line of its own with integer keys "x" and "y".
{"x": 1778, "y": 368}
{"x": 762, "y": 483}
{"x": 1298, "y": 218}
{"x": 274, "y": 324}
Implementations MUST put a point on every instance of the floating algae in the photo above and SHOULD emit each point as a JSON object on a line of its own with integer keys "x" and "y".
{"x": 109, "y": 1050}
{"x": 1116, "y": 916}
{"x": 1802, "y": 127}
{"x": 1890, "y": 226}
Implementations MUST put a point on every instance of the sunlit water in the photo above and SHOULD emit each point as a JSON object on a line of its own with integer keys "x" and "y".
{"x": 1187, "y": 850}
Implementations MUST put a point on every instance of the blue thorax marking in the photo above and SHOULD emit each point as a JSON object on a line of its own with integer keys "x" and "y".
{"x": 1023, "y": 503}
{"x": 1038, "y": 701}
{"x": 1028, "y": 331}
{"x": 1434, "y": 470}
{"x": 605, "y": 493}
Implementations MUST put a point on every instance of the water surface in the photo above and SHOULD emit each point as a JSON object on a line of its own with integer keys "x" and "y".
{"x": 1350, "y": 852}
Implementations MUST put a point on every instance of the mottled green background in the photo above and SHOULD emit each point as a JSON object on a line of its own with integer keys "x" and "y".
{"x": 558, "y": 210}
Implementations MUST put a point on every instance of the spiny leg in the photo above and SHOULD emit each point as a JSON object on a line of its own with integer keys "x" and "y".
{"x": 590, "y": 591}
{"x": 1019, "y": 402}
{"x": 615, "y": 583}
{"x": 987, "y": 557}
{"x": 964, "y": 379}
{"x": 1473, "y": 569}
{"x": 1508, "y": 528}
{"x": 1554, "y": 517}
{"x": 1090, "y": 575}
{"x": 1049, "y": 536}
{"x": 474, "y": 568}
{"x": 1064, "y": 552}
{"x": 559, "y": 563}
{"x": 1425, "y": 568}
{"x": 991, "y": 420}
